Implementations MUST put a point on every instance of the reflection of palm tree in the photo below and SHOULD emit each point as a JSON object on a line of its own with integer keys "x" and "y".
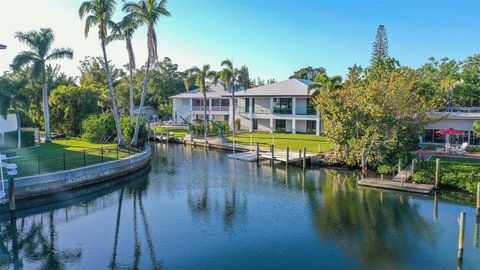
{"x": 113, "y": 262}
{"x": 155, "y": 264}
{"x": 136, "y": 250}
{"x": 351, "y": 217}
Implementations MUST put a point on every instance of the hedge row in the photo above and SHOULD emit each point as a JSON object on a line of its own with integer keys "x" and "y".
{"x": 28, "y": 139}
{"x": 453, "y": 174}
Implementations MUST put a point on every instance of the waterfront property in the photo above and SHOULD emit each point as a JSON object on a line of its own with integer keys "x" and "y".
{"x": 188, "y": 106}
{"x": 198, "y": 209}
{"x": 284, "y": 106}
{"x": 459, "y": 118}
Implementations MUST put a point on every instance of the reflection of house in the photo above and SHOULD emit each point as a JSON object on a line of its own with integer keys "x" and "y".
{"x": 279, "y": 107}
{"x": 458, "y": 118}
{"x": 149, "y": 113}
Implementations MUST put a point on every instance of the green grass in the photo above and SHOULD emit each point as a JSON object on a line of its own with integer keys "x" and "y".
{"x": 457, "y": 159}
{"x": 64, "y": 154}
{"x": 177, "y": 132}
{"x": 296, "y": 142}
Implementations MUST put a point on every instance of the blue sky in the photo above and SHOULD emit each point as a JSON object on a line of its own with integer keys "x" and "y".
{"x": 274, "y": 38}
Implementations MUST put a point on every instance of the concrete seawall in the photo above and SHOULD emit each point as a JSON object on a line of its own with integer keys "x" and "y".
{"x": 32, "y": 186}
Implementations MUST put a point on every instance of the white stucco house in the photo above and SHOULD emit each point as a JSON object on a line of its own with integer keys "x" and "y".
{"x": 460, "y": 118}
{"x": 284, "y": 106}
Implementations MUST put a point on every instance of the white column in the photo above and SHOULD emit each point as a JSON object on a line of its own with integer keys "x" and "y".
{"x": 317, "y": 129}
{"x": 271, "y": 124}
{"x": 250, "y": 114}
{"x": 294, "y": 126}
{"x": 271, "y": 115}
{"x": 191, "y": 109}
{"x": 294, "y": 106}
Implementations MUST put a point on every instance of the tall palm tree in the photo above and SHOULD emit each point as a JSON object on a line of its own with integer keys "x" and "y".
{"x": 146, "y": 12}
{"x": 125, "y": 29}
{"x": 99, "y": 13}
{"x": 229, "y": 75}
{"x": 203, "y": 79}
{"x": 324, "y": 83}
{"x": 40, "y": 43}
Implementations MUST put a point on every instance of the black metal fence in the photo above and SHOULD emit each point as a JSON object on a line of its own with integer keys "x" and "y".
{"x": 42, "y": 164}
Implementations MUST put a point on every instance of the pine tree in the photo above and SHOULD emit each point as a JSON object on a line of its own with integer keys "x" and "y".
{"x": 380, "y": 45}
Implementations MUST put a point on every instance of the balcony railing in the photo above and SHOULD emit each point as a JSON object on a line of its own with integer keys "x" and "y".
{"x": 257, "y": 110}
{"x": 305, "y": 111}
{"x": 220, "y": 108}
{"x": 280, "y": 110}
{"x": 197, "y": 108}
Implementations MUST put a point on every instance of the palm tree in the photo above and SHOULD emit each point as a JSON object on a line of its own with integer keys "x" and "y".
{"x": 229, "y": 75}
{"x": 100, "y": 12}
{"x": 146, "y": 12}
{"x": 125, "y": 29}
{"x": 203, "y": 78}
{"x": 40, "y": 43}
{"x": 324, "y": 83}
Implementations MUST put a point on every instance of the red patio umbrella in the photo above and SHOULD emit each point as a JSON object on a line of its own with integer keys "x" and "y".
{"x": 450, "y": 131}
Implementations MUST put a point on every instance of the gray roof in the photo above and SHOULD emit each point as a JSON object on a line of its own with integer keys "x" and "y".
{"x": 215, "y": 91}
{"x": 458, "y": 115}
{"x": 291, "y": 87}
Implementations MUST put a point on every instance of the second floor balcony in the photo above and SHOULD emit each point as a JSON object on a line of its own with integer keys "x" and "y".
{"x": 199, "y": 108}
{"x": 305, "y": 111}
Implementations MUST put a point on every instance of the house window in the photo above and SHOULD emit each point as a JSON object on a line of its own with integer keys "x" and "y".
{"x": 225, "y": 118}
{"x": 311, "y": 127}
{"x": 247, "y": 105}
{"x": 280, "y": 125}
{"x": 185, "y": 102}
{"x": 474, "y": 138}
{"x": 253, "y": 104}
{"x": 255, "y": 124}
{"x": 282, "y": 105}
{"x": 225, "y": 102}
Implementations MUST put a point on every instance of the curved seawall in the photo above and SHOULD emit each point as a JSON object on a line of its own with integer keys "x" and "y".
{"x": 43, "y": 184}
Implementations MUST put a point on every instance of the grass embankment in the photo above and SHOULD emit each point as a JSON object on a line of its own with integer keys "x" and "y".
{"x": 296, "y": 142}
{"x": 460, "y": 173}
{"x": 64, "y": 154}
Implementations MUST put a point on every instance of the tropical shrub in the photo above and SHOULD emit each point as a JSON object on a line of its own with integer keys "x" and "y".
{"x": 453, "y": 174}
{"x": 27, "y": 137}
{"x": 99, "y": 128}
{"x": 213, "y": 129}
{"x": 473, "y": 149}
{"x": 128, "y": 129}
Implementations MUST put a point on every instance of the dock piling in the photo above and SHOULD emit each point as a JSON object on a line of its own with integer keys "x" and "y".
{"x": 258, "y": 153}
{"x": 304, "y": 158}
{"x": 11, "y": 194}
{"x": 461, "y": 238}
{"x": 478, "y": 199}
{"x": 299, "y": 157}
{"x": 381, "y": 177}
{"x": 272, "y": 147}
{"x": 437, "y": 173}
{"x": 286, "y": 161}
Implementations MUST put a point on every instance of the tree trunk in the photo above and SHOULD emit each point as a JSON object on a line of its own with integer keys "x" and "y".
{"x": 142, "y": 101}
{"x": 19, "y": 130}
{"x": 233, "y": 112}
{"x": 112, "y": 96}
{"x": 205, "y": 122}
{"x": 46, "y": 113}
{"x": 131, "y": 67}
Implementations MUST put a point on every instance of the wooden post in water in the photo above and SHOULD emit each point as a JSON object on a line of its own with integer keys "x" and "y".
{"x": 435, "y": 205}
{"x": 286, "y": 160}
{"x": 381, "y": 177}
{"x": 258, "y": 153}
{"x": 437, "y": 173}
{"x": 304, "y": 159}
{"x": 11, "y": 193}
{"x": 478, "y": 199}
{"x": 299, "y": 157}
{"x": 273, "y": 153}
{"x": 233, "y": 148}
{"x": 461, "y": 238}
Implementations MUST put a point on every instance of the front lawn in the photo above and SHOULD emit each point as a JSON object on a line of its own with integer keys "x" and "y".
{"x": 64, "y": 154}
{"x": 296, "y": 142}
{"x": 457, "y": 159}
{"x": 177, "y": 132}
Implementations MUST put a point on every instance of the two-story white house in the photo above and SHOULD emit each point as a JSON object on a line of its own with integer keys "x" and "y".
{"x": 284, "y": 106}
{"x": 189, "y": 105}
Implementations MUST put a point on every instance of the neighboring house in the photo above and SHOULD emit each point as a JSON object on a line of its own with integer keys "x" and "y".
{"x": 189, "y": 105}
{"x": 151, "y": 115}
{"x": 279, "y": 107}
{"x": 284, "y": 106}
{"x": 460, "y": 118}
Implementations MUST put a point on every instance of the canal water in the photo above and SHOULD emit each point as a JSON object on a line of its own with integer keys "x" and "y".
{"x": 197, "y": 209}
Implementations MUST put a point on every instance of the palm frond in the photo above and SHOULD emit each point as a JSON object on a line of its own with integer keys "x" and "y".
{"x": 85, "y": 8}
{"x": 89, "y": 22}
{"x": 60, "y": 53}
{"x": 23, "y": 59}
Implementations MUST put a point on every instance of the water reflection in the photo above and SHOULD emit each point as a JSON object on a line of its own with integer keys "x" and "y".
{"x": 374, "y": 226}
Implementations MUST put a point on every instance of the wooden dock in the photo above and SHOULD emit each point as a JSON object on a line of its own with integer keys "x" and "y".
{"x": 396, "y": 185}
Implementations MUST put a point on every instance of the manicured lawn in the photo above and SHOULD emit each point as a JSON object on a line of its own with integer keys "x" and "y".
{"x": 64, "y": 154}
{"x": 177, "y": 132}
{"x": 296, "y": 142}
{"x": 457, "y": 159}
